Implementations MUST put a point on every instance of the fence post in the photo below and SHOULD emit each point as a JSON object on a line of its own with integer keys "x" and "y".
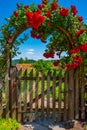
{"x": 13, "y": 92}
{"x": 25, "y": 96}
{"x": 42, "y": 96}
{"x": 48, "y": 94}
{"x": 7, "y": 82}
{"x": 54, "y": 100}
{"x": 31, "y": 97}
{"x": 36, "y": 95}
{"x": 60, "y": 97}
{"x": 19, "y": 95}
{"x": 66, "y": 96}
{"x": 71, "y": 94}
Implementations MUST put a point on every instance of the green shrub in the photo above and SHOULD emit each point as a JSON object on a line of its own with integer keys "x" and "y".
{"x": 9, "y": 124}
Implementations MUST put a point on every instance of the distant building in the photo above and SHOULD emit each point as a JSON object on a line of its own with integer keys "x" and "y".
{"x": 29, "y": 67}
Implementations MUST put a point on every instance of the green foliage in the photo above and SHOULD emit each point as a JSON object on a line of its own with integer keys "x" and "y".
{"x": 43, "y": 65}
{"x": 8, "y": 124}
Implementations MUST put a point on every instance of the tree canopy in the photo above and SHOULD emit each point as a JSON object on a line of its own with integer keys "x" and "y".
{"x": 67, "y": 31}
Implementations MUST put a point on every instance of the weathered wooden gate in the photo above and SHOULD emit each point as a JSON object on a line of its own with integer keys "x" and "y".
{"x": 52, "y": 95}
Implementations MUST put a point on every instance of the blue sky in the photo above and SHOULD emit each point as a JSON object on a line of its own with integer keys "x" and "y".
{"x": 33, "y": 48}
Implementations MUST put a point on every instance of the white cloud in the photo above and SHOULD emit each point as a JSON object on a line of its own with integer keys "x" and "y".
{"x": 30, "y": 51}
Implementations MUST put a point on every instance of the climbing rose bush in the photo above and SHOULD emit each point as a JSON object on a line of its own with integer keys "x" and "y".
{"x": 67, "y": 32}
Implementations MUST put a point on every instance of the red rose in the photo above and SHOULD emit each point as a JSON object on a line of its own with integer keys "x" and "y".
{"x": 26, "y": 7}
{"x": 37, "y": 20}
{"x": 48, "y": 13}
{"x": 64, "y": 12}
{"x": 33, "y": 35}
{"x": 80, "y": 19}
{"x": 44, "y": 1}
{"x": 84, "y": 47}
{"x": 29, "y": 16}
{"x": 15, "y": 13}
{"x": 48, "y": 23}
{"x": 74, "y": 51}
{"x": 72, "y": 66}
{"x": 48, "y": 55}
{"x": 40, "y": 6}
{"x": 77, "y": 59}
{"x": 38, "y": 11}
{"x": 56, "y": 63}
{"x": 74, "y": 10}
{"x": 54, "y": 6}
{"x": 81, "y": 31}
{"x": 80, "y": 59}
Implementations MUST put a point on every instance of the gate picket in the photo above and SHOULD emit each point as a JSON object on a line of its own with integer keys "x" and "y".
{"x": 19, "y": 94}
{"x": 48, "y": 94}
{"x": 14, "y": 94}
{"x": 31, "y": 97}
{"x": 25, "y": 96}
{"x": 71, "y": 94}
{"x": 36, "y": 95}
{"x": 60, "y": 97}
{"x": 66, "y": 96}
{"x": 42, "y": 96}
{"x": 53, "y": 96}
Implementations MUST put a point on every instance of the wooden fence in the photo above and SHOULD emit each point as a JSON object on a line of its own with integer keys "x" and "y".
{"x": 52, "y": 95}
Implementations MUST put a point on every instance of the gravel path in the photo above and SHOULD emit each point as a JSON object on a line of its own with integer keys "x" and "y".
{"x": 49, "y": 126}
{"x": 43, "y": 125}
{"x": 39, "y": 127}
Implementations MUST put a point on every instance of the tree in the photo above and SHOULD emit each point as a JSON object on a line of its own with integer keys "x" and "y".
{"x": 21, "y": 61}
{"x": 26, "y": 60}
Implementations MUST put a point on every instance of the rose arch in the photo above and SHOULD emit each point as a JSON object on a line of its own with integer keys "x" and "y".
{"x": 67, "y": 31}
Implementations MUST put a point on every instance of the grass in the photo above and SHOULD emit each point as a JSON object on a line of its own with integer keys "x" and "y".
{"x": 9, "y": 124}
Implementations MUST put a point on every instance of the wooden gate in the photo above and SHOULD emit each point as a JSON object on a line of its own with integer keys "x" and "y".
{"x": 56, "y": 95}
